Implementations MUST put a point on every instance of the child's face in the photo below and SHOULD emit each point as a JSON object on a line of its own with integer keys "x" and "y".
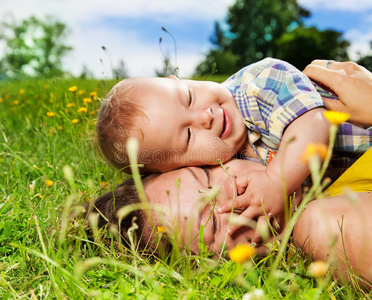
{"x": 189, "y": 123}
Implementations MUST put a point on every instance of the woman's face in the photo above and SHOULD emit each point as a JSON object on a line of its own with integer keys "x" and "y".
{"x": 184, "y": 193}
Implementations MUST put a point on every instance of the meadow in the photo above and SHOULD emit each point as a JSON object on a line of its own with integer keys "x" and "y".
{"x": 49, "y": 168}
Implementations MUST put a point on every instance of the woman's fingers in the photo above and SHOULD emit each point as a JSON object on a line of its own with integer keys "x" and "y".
{"x": 330, "y": 78}
{"x": 334, "y": 65}
{"x": 351, "y": 83}
{"x": 335, "y": 105}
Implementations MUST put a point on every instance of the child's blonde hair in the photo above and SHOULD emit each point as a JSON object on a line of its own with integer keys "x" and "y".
{"x": 117, "y": 121}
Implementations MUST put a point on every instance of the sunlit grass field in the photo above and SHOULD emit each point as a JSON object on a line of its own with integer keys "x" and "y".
{"x": 46, "y": 125}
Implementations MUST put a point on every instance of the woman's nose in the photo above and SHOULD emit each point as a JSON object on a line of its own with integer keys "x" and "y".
{"x": 204, "y": 118}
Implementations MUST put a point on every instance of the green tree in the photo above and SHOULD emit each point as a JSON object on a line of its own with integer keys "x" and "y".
{"x": 121, "y": 70}
{"x": 85, "y": 73}
{"x": 269, "y": 28}
{"x": 255, "y": 26}
{"x": 34, "y": 47}
{"x": 218, "y": 61}
{"x": 304, "y": 44}
{"x": 220, "y": 58}
{"x": 366, "y": 60}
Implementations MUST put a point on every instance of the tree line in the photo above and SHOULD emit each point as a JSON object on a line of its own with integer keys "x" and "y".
{"x": 253, "y": 30}
{"x": 34, "y": 47}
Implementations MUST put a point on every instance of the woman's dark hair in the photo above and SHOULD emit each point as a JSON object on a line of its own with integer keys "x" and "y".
{"x": 107, "y": 206}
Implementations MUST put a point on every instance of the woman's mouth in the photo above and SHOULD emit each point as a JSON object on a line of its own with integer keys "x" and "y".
{"x": 226, "y": 125}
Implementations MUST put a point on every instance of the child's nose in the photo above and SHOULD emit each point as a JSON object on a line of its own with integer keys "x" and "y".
{"x": 205, "y": 118}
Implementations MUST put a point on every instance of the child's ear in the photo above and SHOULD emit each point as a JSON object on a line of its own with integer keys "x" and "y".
{"x": 173, "y": 77}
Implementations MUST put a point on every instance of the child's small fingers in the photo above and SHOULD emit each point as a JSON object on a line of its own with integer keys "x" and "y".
{"x": 261, "y": 232}
{"x": 224, "y": 208}
{"x": 238, "y": 203}
{"x": 242, "y": 184}
{"x": 245, "y": 219}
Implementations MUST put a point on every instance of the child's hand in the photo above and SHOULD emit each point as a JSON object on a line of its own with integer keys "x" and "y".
{"x": 251, "y": 188}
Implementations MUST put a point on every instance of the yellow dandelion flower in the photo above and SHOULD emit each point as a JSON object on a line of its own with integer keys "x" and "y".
{"x": 82, "y": 110}
{"x": 75, "y": 121}
{"x": 87, "y": 100}
{"x": 39, "y": 196}
{"x": 242, "y": 253}
{"x": 15, "y": 102}
{"x": 60, "y": 127}
{"x": 69, "y": 105}
{"x": 73, "y": 89}
{"x": 94, "y": 96}
{"x": 81, "y": 92}
{"x": 336, "y": 117}
{"x": 92, "y": 112}
{"x": 103, "y": 184}
{"x": 49, "y": 183}
{"x": 1, "y": 100}
{"x": 21, "y": 91}
{"x": 318, "y": 269}
{"x": 161, "y": 230}
{"x": 314, "y": 149}
{"x": 95, "y": 122}
{"x": 50, "y": 114}
{"x": 46, "y": 86}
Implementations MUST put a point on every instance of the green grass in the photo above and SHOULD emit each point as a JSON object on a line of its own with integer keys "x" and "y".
{"x": 44, "y": 255}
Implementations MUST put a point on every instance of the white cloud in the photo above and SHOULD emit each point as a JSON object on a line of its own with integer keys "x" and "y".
{"x": 83, "y": 10}
{"x": 142, "y": 57}
{"x": 345, "y": 5}
{"x": 360, "y": 43}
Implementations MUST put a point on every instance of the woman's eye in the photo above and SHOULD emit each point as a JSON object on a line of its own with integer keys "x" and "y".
{"x": 214, "y": 224}
{"x": 190, "y": 98}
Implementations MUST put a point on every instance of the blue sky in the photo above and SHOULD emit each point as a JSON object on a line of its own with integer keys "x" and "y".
{"x": 340, "y": 20}
{"x": 130, "y": 29}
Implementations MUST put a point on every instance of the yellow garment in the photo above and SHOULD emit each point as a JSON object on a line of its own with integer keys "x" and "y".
{"x": 358, "y": 177}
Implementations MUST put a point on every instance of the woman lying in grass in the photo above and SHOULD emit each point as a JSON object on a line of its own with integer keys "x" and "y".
{"x": 182, "y": 208}
{"x": 336, "y": 228}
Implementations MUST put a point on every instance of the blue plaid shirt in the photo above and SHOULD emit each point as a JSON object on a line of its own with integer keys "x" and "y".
{"x": 271, "y": 94}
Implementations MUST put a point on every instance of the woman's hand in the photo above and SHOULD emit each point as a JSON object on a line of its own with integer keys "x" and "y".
{"x": 350, "y": 82}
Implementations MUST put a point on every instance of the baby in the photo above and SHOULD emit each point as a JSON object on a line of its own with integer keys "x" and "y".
{"x": 253, "y": 114}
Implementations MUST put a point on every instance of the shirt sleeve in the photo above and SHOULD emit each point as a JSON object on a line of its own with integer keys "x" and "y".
{"x": 278, "y": 93}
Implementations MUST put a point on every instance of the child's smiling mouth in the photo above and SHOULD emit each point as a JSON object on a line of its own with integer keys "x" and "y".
{"x": 226, "y": 124}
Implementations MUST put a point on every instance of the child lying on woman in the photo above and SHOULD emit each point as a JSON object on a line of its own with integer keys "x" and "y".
{"x": 268, "y": 111}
